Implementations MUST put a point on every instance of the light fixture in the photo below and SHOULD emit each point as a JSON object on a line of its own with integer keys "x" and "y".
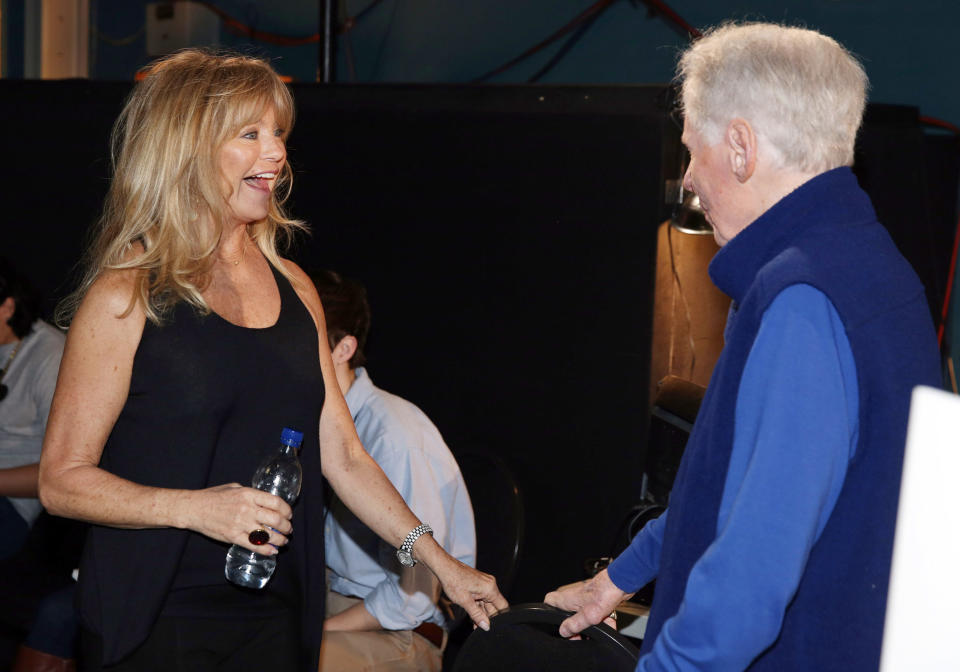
{"x": 688, "y": 216}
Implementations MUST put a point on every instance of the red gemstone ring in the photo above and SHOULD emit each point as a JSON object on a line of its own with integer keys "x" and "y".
{"x": 259, "y": 537}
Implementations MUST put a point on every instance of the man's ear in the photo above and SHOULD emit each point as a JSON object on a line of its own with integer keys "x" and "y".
{"x": 741, "y": 142}
{"x": 344, "y": 349}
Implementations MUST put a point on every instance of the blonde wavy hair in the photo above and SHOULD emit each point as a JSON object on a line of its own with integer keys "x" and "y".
{"x": 166, "y": 209}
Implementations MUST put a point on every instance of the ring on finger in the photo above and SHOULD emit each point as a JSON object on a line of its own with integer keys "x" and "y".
{"x": 259, "y": 537}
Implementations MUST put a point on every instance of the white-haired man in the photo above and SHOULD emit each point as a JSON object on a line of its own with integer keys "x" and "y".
{"x": 774, "y": 553}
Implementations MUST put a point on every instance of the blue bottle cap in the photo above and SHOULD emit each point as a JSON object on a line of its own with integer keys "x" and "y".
{"x": 291, "y": 437}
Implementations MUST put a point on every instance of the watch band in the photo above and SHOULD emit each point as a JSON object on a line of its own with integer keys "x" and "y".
{"x": 405, "y": 552}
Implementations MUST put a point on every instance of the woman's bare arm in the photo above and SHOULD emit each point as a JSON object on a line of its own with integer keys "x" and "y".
{"x": 365, "y": 489}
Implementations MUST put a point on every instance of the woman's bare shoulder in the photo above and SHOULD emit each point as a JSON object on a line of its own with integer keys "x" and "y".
{"x": 306, "y": 290}
{"x": 302, "y": 283}
{"x": 112, "y": 294}
{"x": 294, "y": 270}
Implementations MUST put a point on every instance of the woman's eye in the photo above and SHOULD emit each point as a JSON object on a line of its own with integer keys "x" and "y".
{"x": 279, "y": 132}
{"x": 250, "y": 135}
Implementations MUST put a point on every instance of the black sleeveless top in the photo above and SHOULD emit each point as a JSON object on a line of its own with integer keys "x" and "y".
{"x": 207, "y": 400}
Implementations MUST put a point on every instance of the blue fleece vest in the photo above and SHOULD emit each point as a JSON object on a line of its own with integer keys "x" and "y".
{"x": 824, "y": 234}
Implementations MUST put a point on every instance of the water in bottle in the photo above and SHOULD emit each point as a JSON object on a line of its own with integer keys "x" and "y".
{"x": 279, "y": 474}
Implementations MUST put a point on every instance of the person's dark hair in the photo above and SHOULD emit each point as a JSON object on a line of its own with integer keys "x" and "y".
{"x": 26, "y": 299}
{"x": 346, "y": 310}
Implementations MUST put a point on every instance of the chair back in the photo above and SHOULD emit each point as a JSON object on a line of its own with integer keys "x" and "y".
{"x": 499, "y": 518}
{"x": 498, "y": 513}
{"x": 526, "y": 637}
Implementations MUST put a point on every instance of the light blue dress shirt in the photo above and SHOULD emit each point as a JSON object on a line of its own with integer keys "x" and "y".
{"x": 30, "y": 380}
{"x": 411, "y": 452}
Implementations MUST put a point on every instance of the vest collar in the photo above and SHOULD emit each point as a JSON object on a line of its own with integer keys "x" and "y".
{"x": 830, "y": 197}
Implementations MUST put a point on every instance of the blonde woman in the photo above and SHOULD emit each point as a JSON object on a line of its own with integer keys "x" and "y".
{"x": 192, "y": 344}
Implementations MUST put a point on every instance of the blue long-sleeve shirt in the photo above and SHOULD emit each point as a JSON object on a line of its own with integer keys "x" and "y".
{"x": 795, "y": 431}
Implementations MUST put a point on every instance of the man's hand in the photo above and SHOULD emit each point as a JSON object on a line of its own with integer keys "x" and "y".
{"x": 592, "y": 600}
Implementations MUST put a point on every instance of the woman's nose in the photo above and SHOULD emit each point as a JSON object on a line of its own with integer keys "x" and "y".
{"x": 274, "y": 148}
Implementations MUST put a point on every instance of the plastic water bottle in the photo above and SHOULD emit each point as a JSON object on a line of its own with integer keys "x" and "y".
{"x": 279, "y": 474}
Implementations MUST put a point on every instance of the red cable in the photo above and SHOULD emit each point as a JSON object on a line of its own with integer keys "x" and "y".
{"x": 590, "y": 11}
{"x": 598, "y": 6}
{"x": 940, "y": 123}
{"x": 676, "y": 18}
{"x": 950, "y": 276}
{"x": 945, "y": 311}
{"x": 238, "y": 28}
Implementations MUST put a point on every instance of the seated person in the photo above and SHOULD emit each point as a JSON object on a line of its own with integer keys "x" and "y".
{"x": 30, "y": 352}
{"x": 380, "y": 614}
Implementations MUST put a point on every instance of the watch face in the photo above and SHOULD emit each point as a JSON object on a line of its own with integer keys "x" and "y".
{"x": 405, "y": 558}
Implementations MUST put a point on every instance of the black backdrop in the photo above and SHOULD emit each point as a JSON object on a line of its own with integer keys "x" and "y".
{"x": 507, "y": 239}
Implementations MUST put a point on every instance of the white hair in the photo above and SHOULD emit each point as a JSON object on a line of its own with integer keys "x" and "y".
{"x": 799, "y": 89}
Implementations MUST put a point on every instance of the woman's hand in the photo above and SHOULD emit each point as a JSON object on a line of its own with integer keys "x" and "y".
{"x": 592, "y": 601}
{"x": 231, "y": 512}
{"x": 361, "y": 484}
{"x": 472, "y": 589}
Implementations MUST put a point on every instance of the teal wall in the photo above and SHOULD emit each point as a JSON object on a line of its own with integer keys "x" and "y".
{"x": 909, "y": 53}
{"x": 909, "y": 49}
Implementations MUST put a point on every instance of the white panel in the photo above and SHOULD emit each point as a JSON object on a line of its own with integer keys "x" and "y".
{"x": 923, "y": 608}
{"x": 65, "y": 38}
